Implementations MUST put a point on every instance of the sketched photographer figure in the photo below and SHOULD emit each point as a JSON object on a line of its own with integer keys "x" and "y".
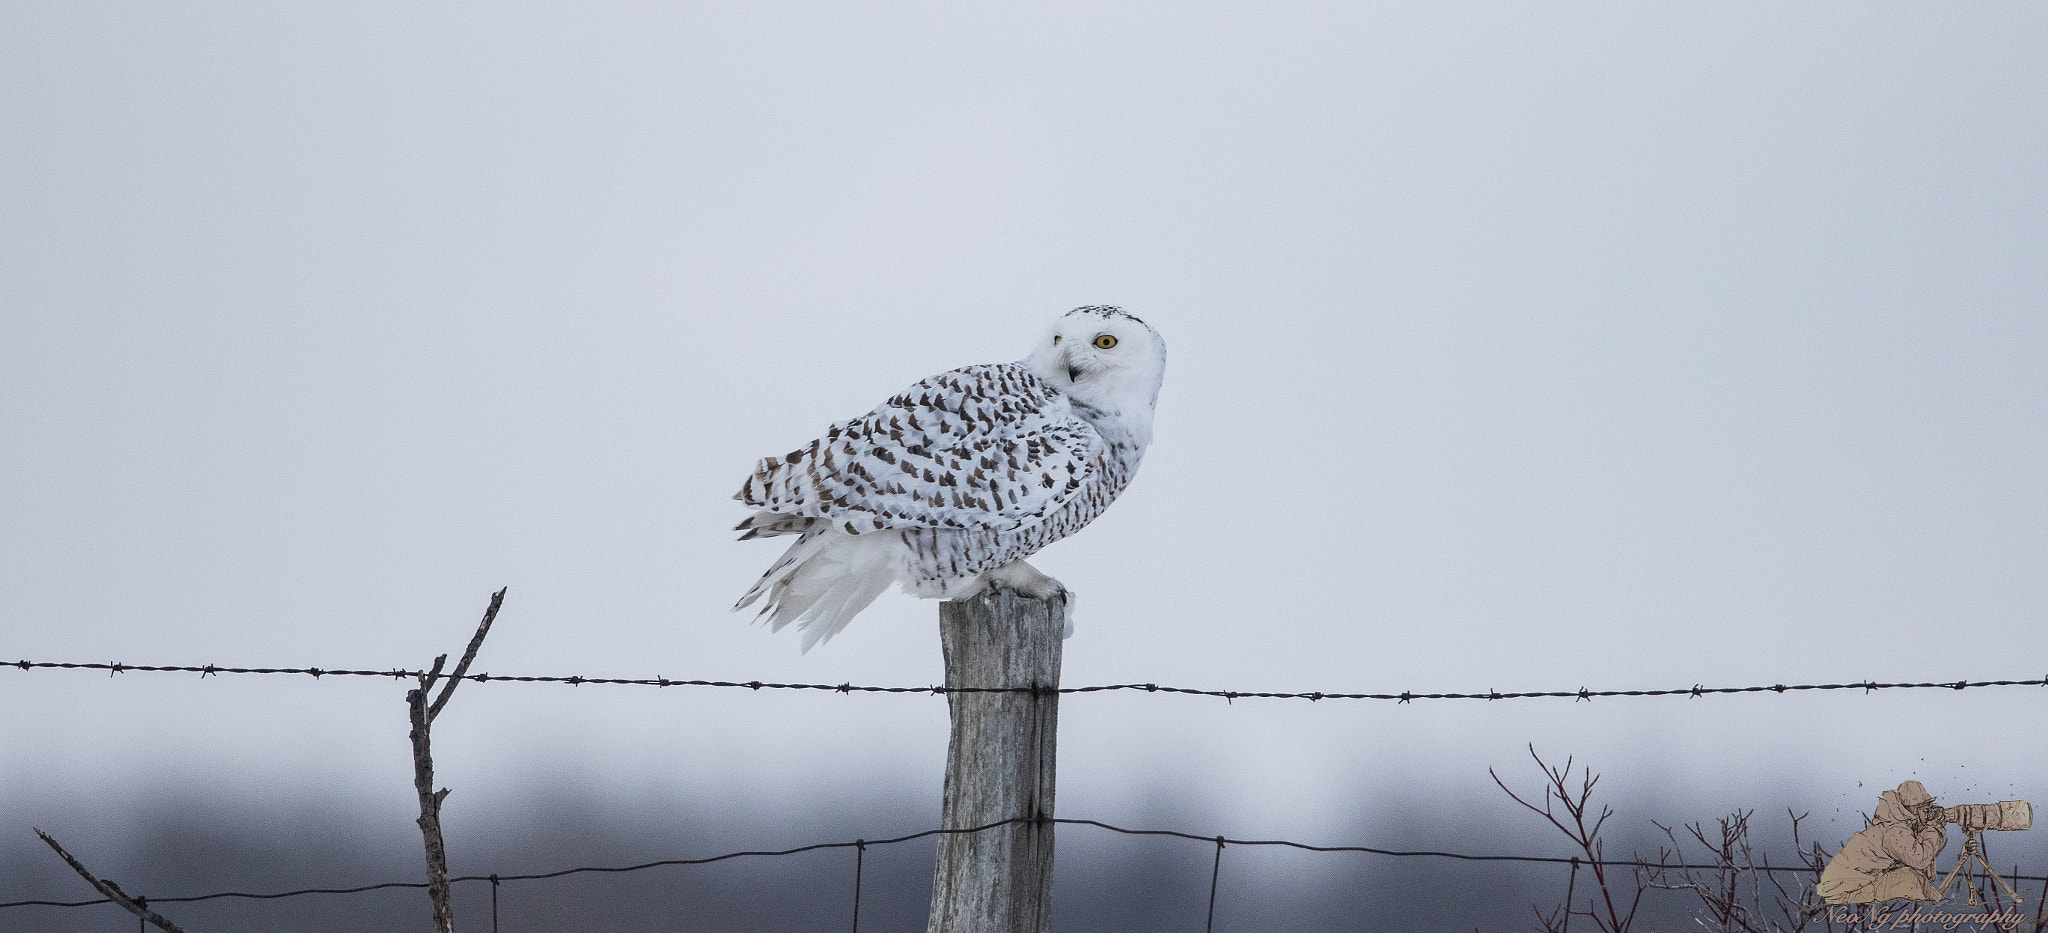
{"x": 1893, "y": 858}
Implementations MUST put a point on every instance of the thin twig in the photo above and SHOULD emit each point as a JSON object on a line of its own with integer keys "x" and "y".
{"x": 111, "y": 890}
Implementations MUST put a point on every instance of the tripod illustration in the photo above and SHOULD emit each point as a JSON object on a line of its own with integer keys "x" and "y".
{"x": 1972, "y": 853}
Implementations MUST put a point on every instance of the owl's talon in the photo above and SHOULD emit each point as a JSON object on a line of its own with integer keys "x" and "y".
{"x": 1024, "y": 580}
{"x": 1018, "y": 578}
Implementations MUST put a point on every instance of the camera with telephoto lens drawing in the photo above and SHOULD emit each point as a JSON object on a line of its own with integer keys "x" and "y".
{"x": 2003, "y": 816}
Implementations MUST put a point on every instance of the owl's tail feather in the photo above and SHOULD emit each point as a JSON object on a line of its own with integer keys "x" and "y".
{"x": 768, "y": 523}
{"x": 778, "y": 573}
{"x": 825, "y": 579}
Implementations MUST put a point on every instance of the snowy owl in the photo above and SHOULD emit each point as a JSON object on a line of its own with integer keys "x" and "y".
{"x": 947, "y": 487}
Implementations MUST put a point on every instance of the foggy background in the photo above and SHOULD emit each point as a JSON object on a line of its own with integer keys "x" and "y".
{"x": 1510, "y": 347}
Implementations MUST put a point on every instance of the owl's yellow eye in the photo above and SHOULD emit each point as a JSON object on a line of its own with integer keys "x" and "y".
{"x": 1104, "y": 341}
{"x": 1055, "y": 340}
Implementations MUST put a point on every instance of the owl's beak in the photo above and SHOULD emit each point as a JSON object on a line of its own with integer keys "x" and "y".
{"x": 1074, "y": 370}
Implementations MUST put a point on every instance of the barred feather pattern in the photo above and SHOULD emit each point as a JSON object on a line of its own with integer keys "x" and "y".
{"x": 957, "y": 476}
{"x": 979, "y": 466}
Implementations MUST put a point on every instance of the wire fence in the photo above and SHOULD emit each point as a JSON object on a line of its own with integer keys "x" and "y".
{"x": 576, "y": 680}
{"x": 860, "y": 846}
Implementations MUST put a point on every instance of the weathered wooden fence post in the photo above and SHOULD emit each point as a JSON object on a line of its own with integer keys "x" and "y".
{"x": 423, "y": 714}
{"x": 1000, "y": 765}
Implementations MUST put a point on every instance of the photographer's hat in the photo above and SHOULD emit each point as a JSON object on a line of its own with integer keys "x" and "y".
{"x": 1913, "y": 794}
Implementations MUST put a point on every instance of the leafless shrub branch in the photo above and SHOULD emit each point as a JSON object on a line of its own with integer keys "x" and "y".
{"x": 1739, "y": 893}
{"x": 1576, "y": 804}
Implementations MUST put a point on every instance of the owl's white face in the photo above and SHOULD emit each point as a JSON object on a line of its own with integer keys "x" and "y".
{"x": 1104, "y": 358}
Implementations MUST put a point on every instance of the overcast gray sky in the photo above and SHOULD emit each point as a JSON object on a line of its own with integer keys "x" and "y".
{"x": 1514, "y": 346}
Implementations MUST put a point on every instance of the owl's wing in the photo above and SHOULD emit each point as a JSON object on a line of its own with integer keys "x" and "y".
{"x": 988, "y": 446}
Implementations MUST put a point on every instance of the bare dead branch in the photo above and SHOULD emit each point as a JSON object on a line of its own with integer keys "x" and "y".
{"x": 462, "y": 667}
{"x": 112, "y": 891}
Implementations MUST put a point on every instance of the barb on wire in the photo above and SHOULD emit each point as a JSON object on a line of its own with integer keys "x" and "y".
{"x": 1695, "y": 691}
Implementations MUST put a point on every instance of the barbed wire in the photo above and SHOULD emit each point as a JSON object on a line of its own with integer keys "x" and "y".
{"x": 1583, "y": 693}
{"x": 863, "y": 844}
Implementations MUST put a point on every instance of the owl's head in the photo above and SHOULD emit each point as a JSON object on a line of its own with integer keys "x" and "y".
{"x": 1103, "y": 357}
